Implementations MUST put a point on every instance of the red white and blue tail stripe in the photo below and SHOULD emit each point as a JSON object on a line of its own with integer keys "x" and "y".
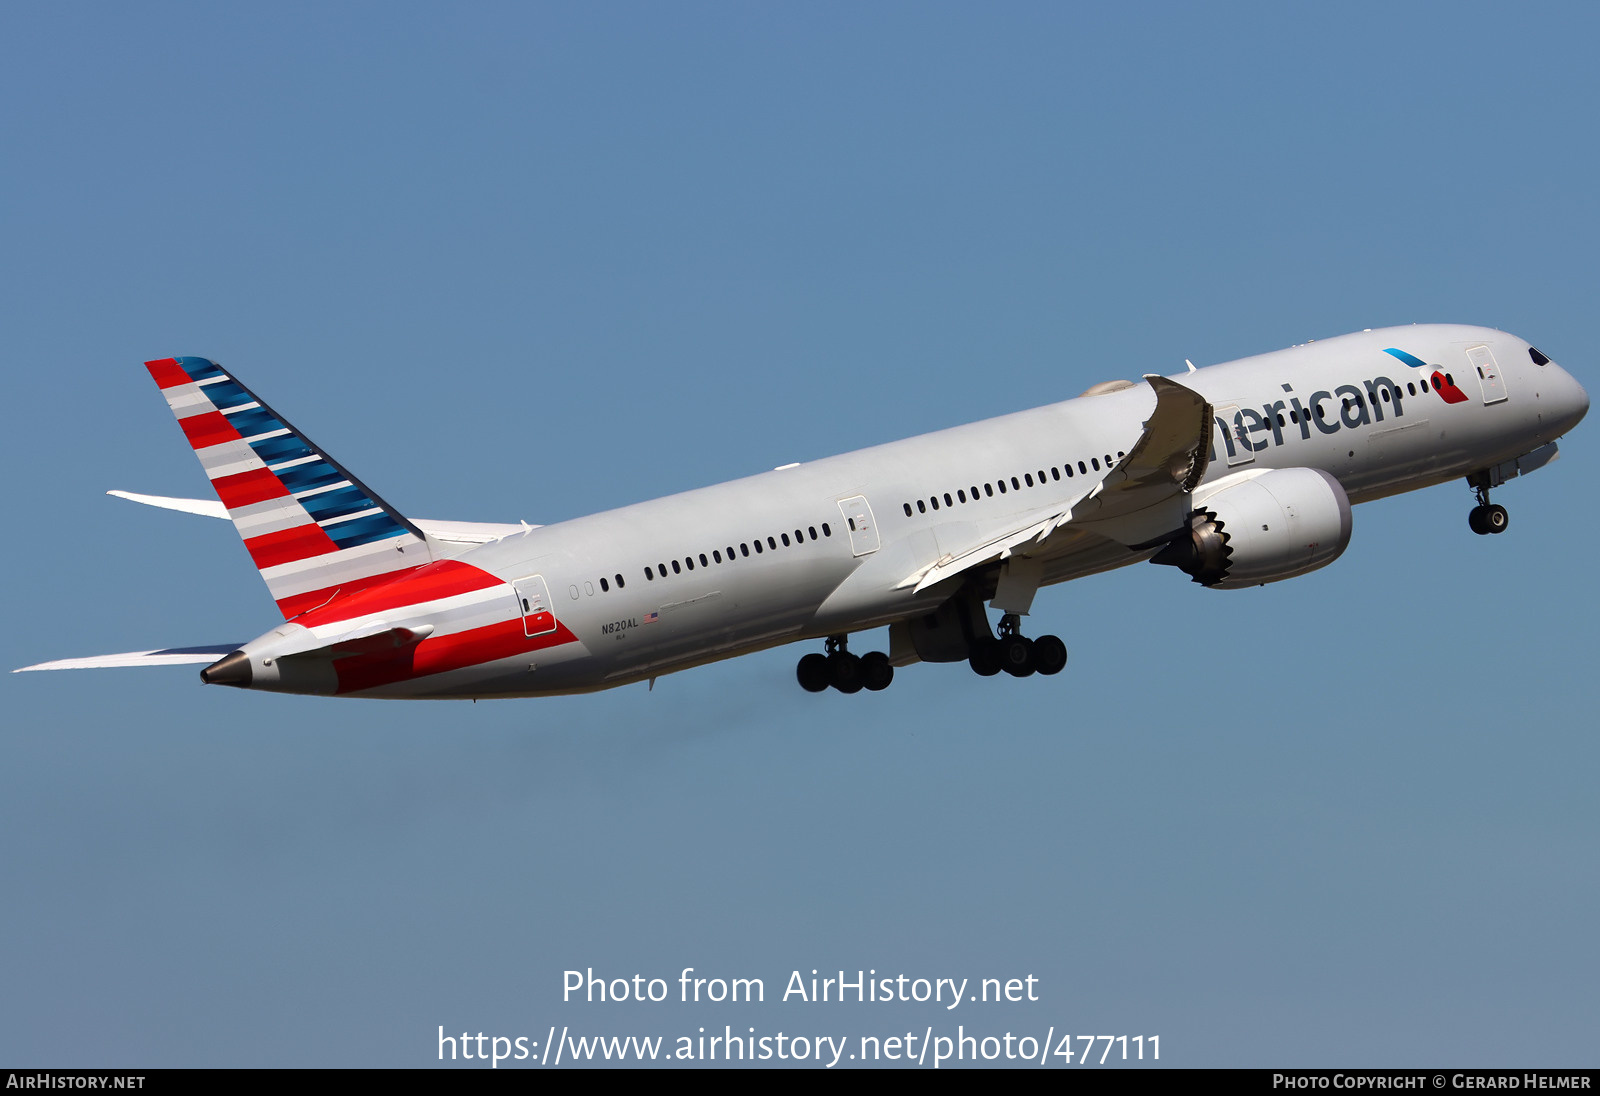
{"x": 314, "y": 531}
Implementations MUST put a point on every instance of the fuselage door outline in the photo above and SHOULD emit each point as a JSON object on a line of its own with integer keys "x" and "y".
{"x": 1494, "y": 386}
{"x": 1231, "y": 437}
{"x": 859, "y": 521}
{"x": 533, "y": 602}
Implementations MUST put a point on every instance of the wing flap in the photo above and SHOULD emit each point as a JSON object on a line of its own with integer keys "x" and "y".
{"x": 996, "y": 548}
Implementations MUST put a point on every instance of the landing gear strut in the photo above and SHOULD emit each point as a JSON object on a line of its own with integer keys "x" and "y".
{"x": 844, "y": 671}
{"x": 1486, "y": 517}
{"x": 1016, "y": 654}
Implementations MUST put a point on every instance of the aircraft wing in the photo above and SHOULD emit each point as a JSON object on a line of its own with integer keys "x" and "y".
{"x": 1169, "y": 459}
{"x": 169, "y": 656}
{"x": 1163, "y": 466}
{"x": 451, "y": 532}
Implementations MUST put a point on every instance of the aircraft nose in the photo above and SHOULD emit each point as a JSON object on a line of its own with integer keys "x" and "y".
{"x": 1571, "y": 402}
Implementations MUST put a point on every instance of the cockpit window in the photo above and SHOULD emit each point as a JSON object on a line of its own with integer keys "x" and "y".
{"x": 1538, "y": 358}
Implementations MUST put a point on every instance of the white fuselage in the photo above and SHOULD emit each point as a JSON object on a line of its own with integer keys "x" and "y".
{"x": 678, "y": 581}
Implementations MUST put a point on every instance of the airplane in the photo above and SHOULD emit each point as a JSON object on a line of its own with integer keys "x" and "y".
{"x": 1236, "y": 475}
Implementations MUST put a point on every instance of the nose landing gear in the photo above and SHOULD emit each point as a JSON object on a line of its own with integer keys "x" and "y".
{"x": 1486, "y": 517}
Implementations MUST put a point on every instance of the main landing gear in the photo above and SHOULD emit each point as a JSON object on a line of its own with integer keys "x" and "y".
{"x": 1485, "y": 517}
{"x": 844, "y": 671}
{"x": 1016, "y": 654}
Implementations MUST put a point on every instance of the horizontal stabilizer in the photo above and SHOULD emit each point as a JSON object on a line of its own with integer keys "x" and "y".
{"x": 167, "y": 656}
{"x": 209, "y": 508}
{"x": 451, "y": 532}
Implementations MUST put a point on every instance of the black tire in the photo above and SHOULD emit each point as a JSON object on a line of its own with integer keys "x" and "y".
{"x": 1496, "y": 518}
{"x": 876, "y": 673}
{"x": 1049, "y": 655}
{"x": 1478, "y": 520}
{"x": 813, "y": 673}
{"x": 1016, "y": 655}
{"x": 845, "y": 670}
{"x": 984, "y": 657}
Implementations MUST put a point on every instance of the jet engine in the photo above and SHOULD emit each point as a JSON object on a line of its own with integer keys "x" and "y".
{"x": 1262, "y": 527}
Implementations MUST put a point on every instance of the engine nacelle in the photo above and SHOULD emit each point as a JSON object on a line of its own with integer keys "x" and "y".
{"x": 1261, "y": 528}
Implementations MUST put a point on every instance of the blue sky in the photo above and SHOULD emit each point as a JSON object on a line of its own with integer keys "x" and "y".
{"x": 527, "y": 262}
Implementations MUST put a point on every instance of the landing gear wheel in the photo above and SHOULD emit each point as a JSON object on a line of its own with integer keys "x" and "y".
{"x": 876, "y": 673}
{"x": 1016, "y": 655}
{"x": 813, "y": 673}
{"x": 984, "y": 657}
{"x": 1486, "y": 517}
{"x": 1049, "y": 655}
{"x": 845, "y": 670}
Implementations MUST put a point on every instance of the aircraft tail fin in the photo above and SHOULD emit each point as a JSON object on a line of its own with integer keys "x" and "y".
{"x": 313, "y": 530}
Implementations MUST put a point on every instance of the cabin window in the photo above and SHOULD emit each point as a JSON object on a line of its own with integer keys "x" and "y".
{"x": 676, "y": 569}
{"x": 605, "y": 587}
{"x": 620, "y": 583}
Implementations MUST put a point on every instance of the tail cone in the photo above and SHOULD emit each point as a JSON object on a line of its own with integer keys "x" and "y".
{"x": 232, "y": 670}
